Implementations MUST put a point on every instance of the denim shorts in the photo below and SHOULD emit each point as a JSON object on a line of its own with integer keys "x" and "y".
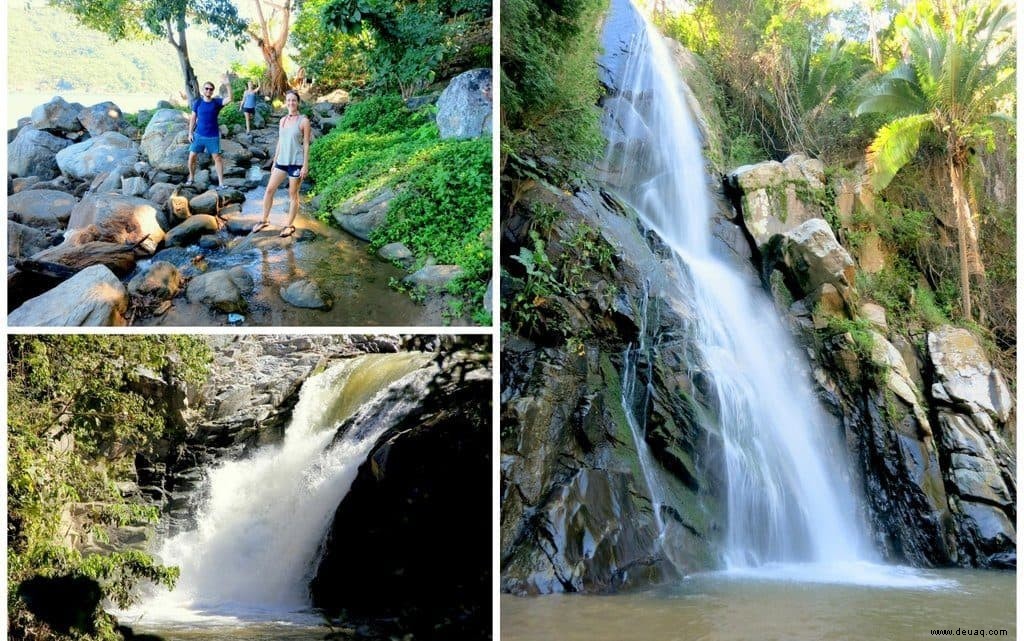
{"x": 293, "y": 171}
{"x": 209, "y": 145}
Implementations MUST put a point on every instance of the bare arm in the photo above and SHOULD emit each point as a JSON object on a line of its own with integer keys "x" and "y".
{"x": 231, "y": 96}
{"x": 306, "y": 133}
{"x": 191, "y": 125}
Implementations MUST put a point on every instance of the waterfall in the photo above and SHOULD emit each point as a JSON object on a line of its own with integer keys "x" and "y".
{"x": 261, "y": 526}
{"x": 787, "y": 498}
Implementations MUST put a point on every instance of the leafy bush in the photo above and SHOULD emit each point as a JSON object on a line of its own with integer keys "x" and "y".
{"x": 232, "y": 114}
{"x": 383, "y": 114}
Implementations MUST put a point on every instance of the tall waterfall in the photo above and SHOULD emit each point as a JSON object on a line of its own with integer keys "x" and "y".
{"x": 787, "y": 500}
{"x": 261, "y": 526}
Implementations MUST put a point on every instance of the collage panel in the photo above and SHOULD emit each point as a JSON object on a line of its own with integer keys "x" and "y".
{"x": 250, "y": 164}
{"x": 251, "y": 486}
{"x": 758, "y": 356}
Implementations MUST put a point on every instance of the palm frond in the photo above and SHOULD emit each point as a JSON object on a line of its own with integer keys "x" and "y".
{"x": 894, "y": 146}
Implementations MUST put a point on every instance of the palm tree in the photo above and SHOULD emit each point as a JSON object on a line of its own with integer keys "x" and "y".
{"x": 956, "y": 78}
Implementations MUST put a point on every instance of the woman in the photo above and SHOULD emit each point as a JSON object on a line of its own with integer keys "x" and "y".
{"x": 249, "y": 104}
{"x": 291, "y": 160}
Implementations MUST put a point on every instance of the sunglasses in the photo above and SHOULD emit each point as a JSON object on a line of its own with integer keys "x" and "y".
{"x": 207, "y": 88}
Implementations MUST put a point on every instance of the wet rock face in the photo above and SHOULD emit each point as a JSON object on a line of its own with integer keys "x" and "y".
{"x": 422, "y": 549}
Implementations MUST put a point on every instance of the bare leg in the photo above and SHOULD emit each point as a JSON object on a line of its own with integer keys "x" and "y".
{"x": 248, "y": 119}
{"x": 191, "y": 166}
{"x": 293, "y": 205}
{"x": 276, "y": 178}
{"x": 218, "y": 162}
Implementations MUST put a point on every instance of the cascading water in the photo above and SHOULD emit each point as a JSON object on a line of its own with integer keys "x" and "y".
{"x": 260, "y": 529}
{"x": 787, "y": 501}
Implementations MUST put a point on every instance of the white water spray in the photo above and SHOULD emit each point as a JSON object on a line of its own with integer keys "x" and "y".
{"x": 788, "y": 500}
{"x": 259, "y": 531}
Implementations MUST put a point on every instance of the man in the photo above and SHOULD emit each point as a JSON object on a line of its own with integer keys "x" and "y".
{"x": 204, "y": 132}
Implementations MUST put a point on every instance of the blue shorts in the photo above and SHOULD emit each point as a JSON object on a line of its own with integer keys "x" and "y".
{"x": 293, "y": 171}
{"x": 249, "y": 110}
{"x": 201, "y": 144}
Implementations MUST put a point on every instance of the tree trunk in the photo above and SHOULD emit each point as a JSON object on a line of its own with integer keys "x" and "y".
{"x": 181, "y": 47}
{"x": 967, "y": 234}
{"x": 275, "y": 83}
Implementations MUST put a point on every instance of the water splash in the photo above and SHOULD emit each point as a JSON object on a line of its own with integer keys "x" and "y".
{"x": 260, "y": 528}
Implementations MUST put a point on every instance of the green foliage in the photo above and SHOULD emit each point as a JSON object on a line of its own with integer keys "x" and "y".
{"x": 232, "y": 114}
{"x": 443, "y": 204}
{"x": 549, "y": 85}
{"x": 75, "y": 423}
{"x": 332, "y": 56}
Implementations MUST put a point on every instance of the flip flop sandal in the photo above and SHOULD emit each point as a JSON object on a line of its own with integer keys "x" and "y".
{"x": 190, "y": 183}
{"x": 260, "y": 227}
{"x": 287, "y": 231}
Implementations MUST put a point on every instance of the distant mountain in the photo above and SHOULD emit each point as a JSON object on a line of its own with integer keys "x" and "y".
{"x": 49, "y": 51}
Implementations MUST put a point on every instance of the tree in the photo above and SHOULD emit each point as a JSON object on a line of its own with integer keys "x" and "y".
{"x": 955, "y": 80}
{"x": 166, "y": 19}
{"x": 272, "y": 48}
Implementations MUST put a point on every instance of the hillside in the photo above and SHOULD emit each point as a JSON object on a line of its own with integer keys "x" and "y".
{"x": 42, "y": 56}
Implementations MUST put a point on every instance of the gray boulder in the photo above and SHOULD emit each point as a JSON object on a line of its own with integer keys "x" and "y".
{"x": 41, "y": 207}
{"x": 134, "y": 186}
{"x": 774, "y": 195}
{"x": 815, "y": 257}
{"x": 465, "y": 106}
{"x": 363, "y": 213}
{"x": 119, "y": 219}
{"x": 34, "y": 153}
{"x": 57, "y": 116}
{"x": 23, "y": 241}
{"x": 165, "y": 141}
{"x": 93, "y": 297}
{"x": 223, "y": 290}
{"x": 162, "y": 280}
{"x": 106, "y": 152}
{"x": 191, "y": 230}
{"x": 433, "y": 276}
{"x": 101, "y": 118}
{"x": 307, "y": 294}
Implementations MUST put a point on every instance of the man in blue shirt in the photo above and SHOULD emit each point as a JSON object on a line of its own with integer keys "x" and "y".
{"x": 204, "y": 132}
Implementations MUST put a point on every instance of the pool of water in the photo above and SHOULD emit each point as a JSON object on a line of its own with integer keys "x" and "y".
{"x": 724, "y": 607}
{"x": 357, "y": 280}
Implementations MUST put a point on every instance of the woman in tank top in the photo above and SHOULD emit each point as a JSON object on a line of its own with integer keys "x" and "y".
{"x": 291, "y": 160}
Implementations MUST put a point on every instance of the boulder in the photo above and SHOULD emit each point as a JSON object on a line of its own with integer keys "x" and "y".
{"x": 34, "y": 153}
{"x": 777, "y": 197}
{"x": 965, "y": 375}
{"x": 21, "y": 184}
{"x": 57, "y": 116}
{"x": 395, "y": 251}
{"x": 191, "y": 230}
{"x": 165, "y": 141}
{"x": 204, "y": 203}
{"x": 307, "y": 294}
{"x": 101, "y": 118}
{"x": 134, "y": 186}
{"x": 433, "y": 276}
{"x": 121, "y": 219}
{"x": 41, "y": 208}
{"x": 23, "y": 241}
{"x": 159, "y": 193}
{"x": 94, "y": 297}
{"x": 363, "y": 213}
{"x": 465, "y": 107}
{"x": 223, "y": 290}
{"x": 162, "y": 280}
{"x": 106, "y": 152}
{"x": 110, "y": 182}
{"x": 815, "y": 257}
{"x": 118, "y": 257}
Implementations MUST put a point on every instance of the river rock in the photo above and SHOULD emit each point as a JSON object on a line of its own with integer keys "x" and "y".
{"x": 106, "y": 152}
{"x": 465, "y": 106}
{"x": 165, "y": 141}
{"x": 41, "y": 208}
{"x": 363, "y": 213}
{"x": 191, "y": 230}
{"x": 93, "y": 297}
{"x": 78, "y": 253}
{"x": 433, "y": 276}
{"x": 162, "y": 280}
{"x": 34, "y": 153}
{"x": 110, "y": 182}
{"x": 224, "y": 290}
{"x": 815, "y": 257}
{"x": 965, "y": 373}
{"x": 57, "y": 116}
{"x": 122, "y": 219}
{"x": 23, "y": 241}
{"x": 101, "y": 118}
{"x": 21, "y": 184}
{"x": 159, "y": 193}
{"x": 307, "y": 294}
{"x": 134, "y": 186}
{"x": 395, "y": 251}
{"x": 205, "y": 203}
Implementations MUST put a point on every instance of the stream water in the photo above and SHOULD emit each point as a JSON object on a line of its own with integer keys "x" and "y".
{"x": 357, "y": 280}
{"x": 720, "y": 607}
{"x": 247, "y": 565}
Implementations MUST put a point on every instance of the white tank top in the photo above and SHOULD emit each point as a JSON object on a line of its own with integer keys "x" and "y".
{"x": 290, "y": 150}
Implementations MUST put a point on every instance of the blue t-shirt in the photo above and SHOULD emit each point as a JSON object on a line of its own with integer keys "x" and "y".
{"x": 206, "y": 116}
